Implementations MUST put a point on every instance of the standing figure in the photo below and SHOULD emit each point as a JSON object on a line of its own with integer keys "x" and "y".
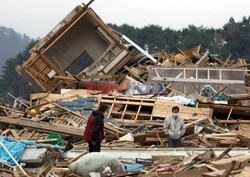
{"x": 174, "y": 128}
{"x": 94, "y": 131}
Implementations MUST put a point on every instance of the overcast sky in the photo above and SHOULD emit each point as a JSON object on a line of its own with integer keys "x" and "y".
{"x": 37, "y": 17}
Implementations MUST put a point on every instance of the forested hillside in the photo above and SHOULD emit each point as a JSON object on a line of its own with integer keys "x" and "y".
{"x": 11, "y": 43}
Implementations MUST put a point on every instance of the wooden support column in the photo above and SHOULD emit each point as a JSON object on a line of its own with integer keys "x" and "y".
{"x": 138, "y": 111}
{"x": 230, "y": 112}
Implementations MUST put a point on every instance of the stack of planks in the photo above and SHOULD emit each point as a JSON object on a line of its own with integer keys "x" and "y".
{"x": 142, "y": 109}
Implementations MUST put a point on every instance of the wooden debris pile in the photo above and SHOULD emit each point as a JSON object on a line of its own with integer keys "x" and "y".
{"x": 66, "y": 115}
{"x": 206, "y": 164}
{"x": 140, "y": 87}
{"x": 213, "y": 95}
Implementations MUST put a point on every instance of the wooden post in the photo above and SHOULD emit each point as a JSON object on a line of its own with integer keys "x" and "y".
{"x": 230, "y": 112}
{"x": 18, "y": 100}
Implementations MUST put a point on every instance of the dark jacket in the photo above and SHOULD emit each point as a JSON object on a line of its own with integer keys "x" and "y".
{"x": 94, "y": 130}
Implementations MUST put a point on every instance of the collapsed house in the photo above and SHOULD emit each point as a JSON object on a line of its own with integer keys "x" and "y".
{"x": 82, "y": 63}
{"x": 80, "y": 39}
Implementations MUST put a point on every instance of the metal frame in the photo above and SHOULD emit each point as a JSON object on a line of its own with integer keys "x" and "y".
{"x": 184, "y": 70}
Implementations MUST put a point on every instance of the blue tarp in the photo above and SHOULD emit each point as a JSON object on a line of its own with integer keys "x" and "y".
{"x": 133, "y": 167}
{"x": 15, "y": 148}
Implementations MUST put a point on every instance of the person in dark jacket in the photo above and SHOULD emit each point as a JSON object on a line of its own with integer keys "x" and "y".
{"x": 94, "y": 131}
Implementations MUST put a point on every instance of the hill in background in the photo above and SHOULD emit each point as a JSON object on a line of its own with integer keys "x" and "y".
{"x": 11, "y": 43}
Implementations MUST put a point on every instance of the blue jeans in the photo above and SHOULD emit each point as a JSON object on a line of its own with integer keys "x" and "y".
{"x": 173, "y": 143}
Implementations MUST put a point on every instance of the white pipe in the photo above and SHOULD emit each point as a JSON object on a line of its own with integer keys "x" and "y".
{"x": 139, "y": 48}
{"x": 13, "y": 159}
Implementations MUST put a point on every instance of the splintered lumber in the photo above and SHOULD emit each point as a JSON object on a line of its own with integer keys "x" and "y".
{"x": 221, "y": 90}
{"x": 214, "y": 173}
{"x": 244, "y": 128}
{"x": 189, "y": 173}
{"x": 150, "y": 138}
{"x": 224, "y": 172}
{"x": 106, "y": 126}
{"x": 234, "y": 121}
{"x": 150, "y": 109}
{"x": 229, "y": 169}
{"x": 18, "y": 100}
{"x": 197, "y": 121}
{"x": 43, "y": 127}
{"x": 239, "y": 110}
{"x": 163, "y": 108}
{"x": 202, "y": 60}
{"x": 221, "y": 136}
{"x": 10, "y": 109}
{"x": 135, "y": 74}
{"x": 114, "y": 130}
{"x": 244, "y": 133}
{"x": 223, "y": 154}
{"x": 77, "y": 114}
{"x": 245, "y": 96}
{"x": 238, "y": 159}
{"x": 244, "y": 173}
{"x": 193, "y": 52}
{"x": 46, "y": 169}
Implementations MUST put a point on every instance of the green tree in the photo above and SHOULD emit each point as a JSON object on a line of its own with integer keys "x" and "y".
{"x": 237, "y": 38}
{"x": 10, "y": 81}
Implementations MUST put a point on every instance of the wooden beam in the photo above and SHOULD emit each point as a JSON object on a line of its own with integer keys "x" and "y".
{"x": 234, "y": 121}
{"x": 228, "y": 107}
{"x": 220, "y": 91}
{"x": 229, "y": 169}
{"x": 18, "y": 100}
{"x": 43, "y": 127}
{"x": 10, "y": 109}
{"x": 230, "y": 112}
{"x": 65, "y": 78}
{"x": 202, "y": 60}
{"x": 88, "y": 4}
{"x": 135, "y": 75}
{"x": 223, "y": 154}
{"x": 184, "y": 55}
{"x": 79, "y": 115}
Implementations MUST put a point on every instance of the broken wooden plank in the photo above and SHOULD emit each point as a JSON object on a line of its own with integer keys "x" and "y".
{"x": 244, "y": 173}
{"x": 218, "y": 173}
{"x": 135, "y": 75}
{"x": 43, "y": 127}
{"x": 223, "y": 154}
{"x": 18, "y": 100}
{"x": 201, "y": 61}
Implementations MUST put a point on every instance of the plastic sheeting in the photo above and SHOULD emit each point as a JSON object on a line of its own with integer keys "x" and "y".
{"x": 133, "y": 167}
{"x": 16, "y": 149}
{"x": 179, "y": 99}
